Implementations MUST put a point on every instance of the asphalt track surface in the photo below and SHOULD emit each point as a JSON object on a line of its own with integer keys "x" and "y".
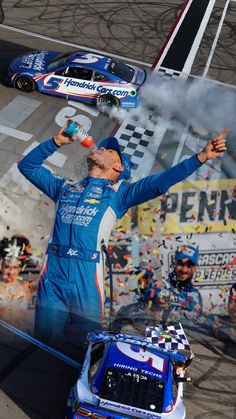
{"x": 33, "y": 383}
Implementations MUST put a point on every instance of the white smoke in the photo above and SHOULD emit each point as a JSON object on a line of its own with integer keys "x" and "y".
{"x": 193, "y": 109}
{"x": 202, "y": 104}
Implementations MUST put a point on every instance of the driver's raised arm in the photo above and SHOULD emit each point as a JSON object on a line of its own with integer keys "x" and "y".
{"x": 153, "y": 186}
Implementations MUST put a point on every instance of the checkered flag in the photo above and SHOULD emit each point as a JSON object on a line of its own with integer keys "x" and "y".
{"x": 168, "y": 337}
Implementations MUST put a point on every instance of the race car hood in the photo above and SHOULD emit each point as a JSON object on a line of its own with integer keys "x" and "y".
{"x": 130, "y": 357}
{"x": 126, "y": 356}
{"x": 34, "y": 61}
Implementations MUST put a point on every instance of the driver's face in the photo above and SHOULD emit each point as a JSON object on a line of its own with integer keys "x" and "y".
{"x": 184, "y": 269}
{"x": 104, "y": 158}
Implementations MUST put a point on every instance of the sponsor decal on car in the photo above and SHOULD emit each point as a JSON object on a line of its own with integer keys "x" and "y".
{"x": 135, "y": 369}
{"x": 106, "y": 403}
{"x": 142, "y": 355}
{"x": 37, "y": 62}
{"x": 93, "y": 86}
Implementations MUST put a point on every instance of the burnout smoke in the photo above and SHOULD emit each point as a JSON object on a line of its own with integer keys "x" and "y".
{"x": 203, "y": 105}
{"x": 199, "y": 103}
{"x": 189, "y": 112}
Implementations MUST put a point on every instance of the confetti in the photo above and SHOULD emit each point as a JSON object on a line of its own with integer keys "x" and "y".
{"x": 233, "y": 262}
{"x": 211, "y": 202}
{"x": 149, "y": 303}
{"x": 178, "y": 238}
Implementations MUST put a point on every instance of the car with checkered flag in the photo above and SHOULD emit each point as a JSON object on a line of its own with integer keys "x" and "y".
{"x": 126, "y": 376}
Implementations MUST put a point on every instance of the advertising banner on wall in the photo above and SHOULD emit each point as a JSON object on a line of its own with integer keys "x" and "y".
{"x": 216, "y": 271}
{"x": 192, "y": 207}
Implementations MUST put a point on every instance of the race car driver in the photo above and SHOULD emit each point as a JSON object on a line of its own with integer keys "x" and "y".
{"x": 178, "y": 299}
{"x": 71, "y": 289}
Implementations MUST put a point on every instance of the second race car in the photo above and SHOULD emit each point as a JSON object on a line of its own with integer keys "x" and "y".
{"x": 83, "y": 76}
{"x": 125, "y": 377}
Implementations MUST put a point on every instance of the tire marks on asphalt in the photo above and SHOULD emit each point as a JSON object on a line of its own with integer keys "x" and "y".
{"x": 15, "y": 362}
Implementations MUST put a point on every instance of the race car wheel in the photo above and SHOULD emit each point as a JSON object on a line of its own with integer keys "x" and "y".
{"x": 26, "y": 84}
{"x": 108, "y": 100}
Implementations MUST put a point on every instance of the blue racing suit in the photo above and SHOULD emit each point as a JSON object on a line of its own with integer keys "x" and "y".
{"x": 71, "y": 285}
{"x": 185, "y": 298}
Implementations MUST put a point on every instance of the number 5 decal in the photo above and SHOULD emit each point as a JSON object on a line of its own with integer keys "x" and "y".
{"x": 88, "y": 58}
{"x": 142, "y": 356}
{"x": 52, "y": 84}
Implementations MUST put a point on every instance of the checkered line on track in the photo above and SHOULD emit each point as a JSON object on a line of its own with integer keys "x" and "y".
{"x": 134, "y": 141}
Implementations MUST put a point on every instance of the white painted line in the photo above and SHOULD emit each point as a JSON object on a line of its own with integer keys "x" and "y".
{"x": 30, "y": 148}
{"x": 221, "y": 83}
{"x": 196, "y": 43}
{"x": 216, "y": 39}
{"x": 58, "y": 159}
{"x": 11, "y": 132}
{"x": 180, "y": 147}
{"x": 85, "y": 108}
{"x": 70, "y": 44}
{"x": 168, "y": 45}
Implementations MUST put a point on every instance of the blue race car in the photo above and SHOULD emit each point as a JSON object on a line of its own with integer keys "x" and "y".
{"x": 125, "y": 377}
{"x": 82, "y": 75}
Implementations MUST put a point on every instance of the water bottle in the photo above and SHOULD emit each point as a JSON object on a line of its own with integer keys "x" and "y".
{"x": 82, "y": 136}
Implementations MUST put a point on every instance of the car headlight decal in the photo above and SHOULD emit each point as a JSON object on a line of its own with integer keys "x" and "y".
{"x": 86, "y": 413}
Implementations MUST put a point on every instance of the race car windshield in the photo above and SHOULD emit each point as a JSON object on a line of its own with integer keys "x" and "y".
{"x": 121, "y": 70}
{"x": 133, "y": 389}
{"x": 59, "y": 61}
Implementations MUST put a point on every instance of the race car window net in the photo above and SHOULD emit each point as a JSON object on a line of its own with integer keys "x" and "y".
{"x": 100, "y": 77}
{"x": 96, "y": 357}
{"x": 121, "y": 70}
{"x": 133, "y": 389}
{"x": 58, "y": 61}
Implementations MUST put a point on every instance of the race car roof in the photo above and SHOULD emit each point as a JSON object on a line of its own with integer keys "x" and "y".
{"x": 100, "y": 62}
